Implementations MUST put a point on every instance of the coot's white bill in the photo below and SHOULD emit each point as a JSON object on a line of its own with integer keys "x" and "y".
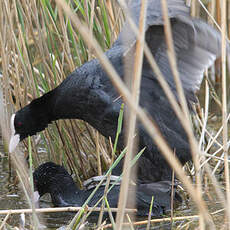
{"x": 15, "y": 138}
{"x": 36, "y": 197}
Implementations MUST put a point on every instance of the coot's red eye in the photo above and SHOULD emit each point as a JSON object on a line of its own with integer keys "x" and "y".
{"x": 19, "y": 123}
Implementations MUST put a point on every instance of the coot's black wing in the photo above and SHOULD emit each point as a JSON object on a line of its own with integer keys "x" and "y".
{"x": 153, "y": 17}
{"x": 196, "y": 43}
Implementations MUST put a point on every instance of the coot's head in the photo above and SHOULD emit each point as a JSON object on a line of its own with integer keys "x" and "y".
{"x": 28, "y": 121}
{"x": 44, "y": 177}
{"x": 55, "y": 180}
{"x": 48, "y": 176}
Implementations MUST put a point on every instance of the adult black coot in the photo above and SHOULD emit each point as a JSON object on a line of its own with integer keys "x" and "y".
{"x": 55, "y": 180}
{"x": 88, "y": 94}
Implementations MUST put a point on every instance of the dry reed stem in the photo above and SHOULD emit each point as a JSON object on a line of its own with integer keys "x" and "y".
{"x": 172, "y": 58}
{"x": 65, "y": 209}
{"x": 228, "y": 18}
{"x": 99, "y": 170}
{"x": 130, "y": 222}
{"x": 167, "y": 219}
{"x": 205, "y": 117}
{"x": 91, "y": 24}
{"x": 150, "y": 214}
{"x": 202, "y": 136}
{"x": 224, "y": 108}
{"x": 4, "y": 221}
{"x": 100, "y": 218}
{"x": 135, "y": 91}
{"x": 216, "y": 186}
{"x": 172, "y": 196}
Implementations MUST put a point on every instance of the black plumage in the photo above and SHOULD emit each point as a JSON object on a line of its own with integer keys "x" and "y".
{"x": 88, "y": 94}
{"x": 55, "y": 180}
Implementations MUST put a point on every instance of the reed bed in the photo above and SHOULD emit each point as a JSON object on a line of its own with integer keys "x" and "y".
{"x": 42, "y": 41}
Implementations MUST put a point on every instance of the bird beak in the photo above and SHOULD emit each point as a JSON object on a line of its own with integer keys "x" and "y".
{"x": 15, "y": 138}
{"x": 36, "y": 197}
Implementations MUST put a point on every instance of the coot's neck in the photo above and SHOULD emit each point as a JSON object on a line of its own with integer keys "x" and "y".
{"x": 90, "y": 98}
{"x": 55, "y": 180}
{"x": 60, "y": 103}
{"x": 42, "y": 106}
{"x": 36, "y": 116}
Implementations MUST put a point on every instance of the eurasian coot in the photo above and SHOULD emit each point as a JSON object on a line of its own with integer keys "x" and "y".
{"x": 88, "y": 94}
{"x": 55, "y": 180}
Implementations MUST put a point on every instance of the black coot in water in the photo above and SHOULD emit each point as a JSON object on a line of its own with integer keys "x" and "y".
{"x": 88, "y": 94}
{"x": 55, "y": 180}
